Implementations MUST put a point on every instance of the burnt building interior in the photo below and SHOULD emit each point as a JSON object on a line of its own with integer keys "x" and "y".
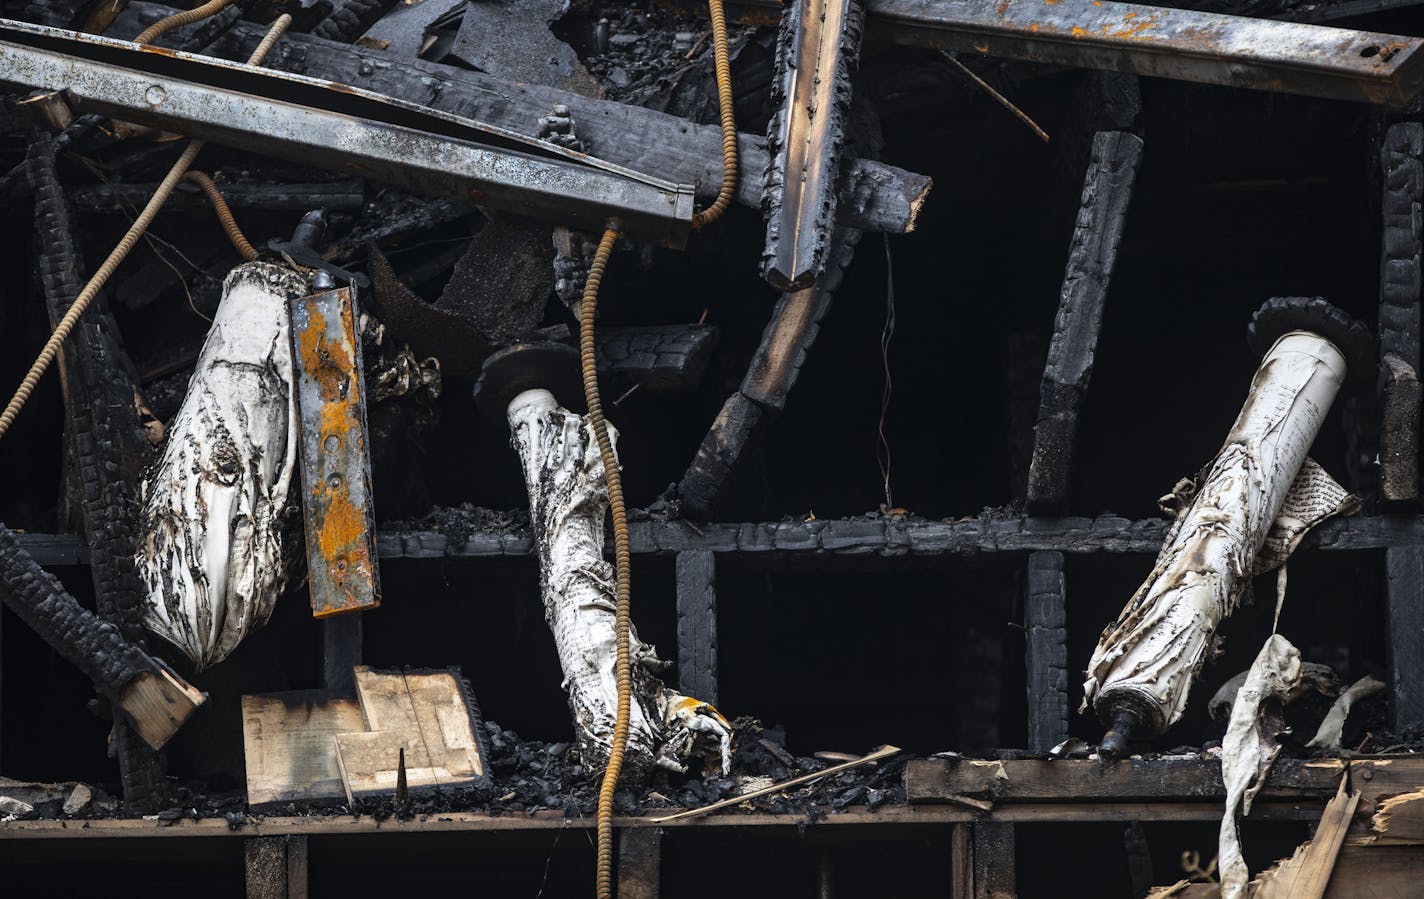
{"x": 823, "y": 448}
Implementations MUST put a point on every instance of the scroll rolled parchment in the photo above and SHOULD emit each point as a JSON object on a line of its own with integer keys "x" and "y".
{"x": 1256, "y": 501}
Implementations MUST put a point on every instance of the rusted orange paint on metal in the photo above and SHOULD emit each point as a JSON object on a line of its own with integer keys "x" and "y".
{"x": 340, "y": 551}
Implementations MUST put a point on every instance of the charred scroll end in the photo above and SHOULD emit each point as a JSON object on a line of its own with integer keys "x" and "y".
{"x": 1281, "y": 315}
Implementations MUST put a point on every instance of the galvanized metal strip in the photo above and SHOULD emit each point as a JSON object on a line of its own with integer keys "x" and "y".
{"x": 335, "y": 454}
{"x": 578, "y": 192}
{"x": 1181, "y": 44}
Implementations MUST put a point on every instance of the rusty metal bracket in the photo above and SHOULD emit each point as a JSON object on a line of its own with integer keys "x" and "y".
{"x": 343, "y": 129}
{"x": 335, "y": 453}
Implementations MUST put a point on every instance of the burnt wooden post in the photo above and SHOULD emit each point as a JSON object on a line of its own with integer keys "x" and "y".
{"x": 787, "y": 338}
{"x": 961, "y": 861}
{"x": 994, "y": 876}
{"x": 276, "y": 867}
{"x": 639, "y": 862}
{"x": 1107, "y": 189}
{"x": 341, "y": 637}
{"x": 1046, "y": 626}
{"x": 697, "y": 625}
{"x": 1399, "y": 312}
{"x": 1404, "y": 593}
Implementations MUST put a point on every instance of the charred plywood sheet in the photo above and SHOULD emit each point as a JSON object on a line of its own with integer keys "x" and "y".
{"x": 289, "y": 740}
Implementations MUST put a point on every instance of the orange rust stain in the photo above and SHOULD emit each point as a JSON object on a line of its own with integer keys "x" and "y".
{"x": 1033, "y": 26}
{"x": 1003, "y": 7}
{"x": 1079, "y": 32}
{"x": 1129, "y": 29}
{"x": 342, "y": 527}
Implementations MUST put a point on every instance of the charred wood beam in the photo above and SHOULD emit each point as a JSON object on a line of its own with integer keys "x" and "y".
{"x": 817, "y": 52}
{"x": 855, "y": 540}
{"x": 640, "y": 851}
{"x": 107, "y": 451}
{"x": 1107, "y": 190}
{"x": 994, "y": 857}
{"x": 872, "y": 196}
{"x": 1404, "y": 597}
{"x": 341, "y": 639}
{"x": 788, "y": 337}
{"x": 276, "y": 867}
{"x": 154, "y": 699}
{"x": 1198, "y": 779}
{"x": 242, "y": 195}
{"x": 1046, "y": 624}
{"x": 697, "y": 624}
{"x": 1399, "y": 317}
{"x": 1181, "y": 44}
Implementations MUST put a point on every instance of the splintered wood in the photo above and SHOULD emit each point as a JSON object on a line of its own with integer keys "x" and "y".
{"x": 312, "y": 745}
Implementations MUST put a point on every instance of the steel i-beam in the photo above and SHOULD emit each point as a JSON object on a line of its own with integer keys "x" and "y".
{"x": 341, "y": 128}
{"x": 1180, "y": 44}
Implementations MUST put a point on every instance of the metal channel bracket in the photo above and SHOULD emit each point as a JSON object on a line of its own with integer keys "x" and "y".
{"x": 335, "y": 454}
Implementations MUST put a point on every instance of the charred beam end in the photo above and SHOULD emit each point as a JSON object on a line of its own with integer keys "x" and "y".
{"x": 276, "y": 867}
{"x": 155, "y": 700}
{"x": 1404, "y": 586}
{"x": 697, "y": 624}
{"x": 1046, "y": 623}
{"x": 1102, "y": 213}
{"x": 817, "y": 52}
{"x": 872, "y": 196}
{"x": 718, "y": 456}
{"x": 662, "y": 359}
{"x": 1399, "y": 317}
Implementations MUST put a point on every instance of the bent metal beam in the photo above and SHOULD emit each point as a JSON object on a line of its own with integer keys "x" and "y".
{"x": 344, "y": 129}
{"x": 1180, "y": 44}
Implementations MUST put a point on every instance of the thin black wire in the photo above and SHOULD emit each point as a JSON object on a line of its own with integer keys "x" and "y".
{"x": 882, "y": 447}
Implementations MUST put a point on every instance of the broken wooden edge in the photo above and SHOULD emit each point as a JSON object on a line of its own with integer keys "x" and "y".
{"x": 158, "y": 703}
{"x": 1398, "y": 820}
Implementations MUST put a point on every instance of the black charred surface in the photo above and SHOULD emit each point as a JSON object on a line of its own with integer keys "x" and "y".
{"x": 666, "y": 359}
{"x": 1399, "y": 318}
{"x": 107, "y": 451}
{"x": 1046, "y": 623}
{"x": 994, "y": 875}
{"x": 351, "y": 19}
{"x": 697, "y": 625}
{"x": 91, "y": 644}
{"x": 1404, "y": 584}
{"x": 799, "y": 200}
{"x": 502, "y": 283}
{"x": 268, "y": 196}
{"x": 1107, "y": 190}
